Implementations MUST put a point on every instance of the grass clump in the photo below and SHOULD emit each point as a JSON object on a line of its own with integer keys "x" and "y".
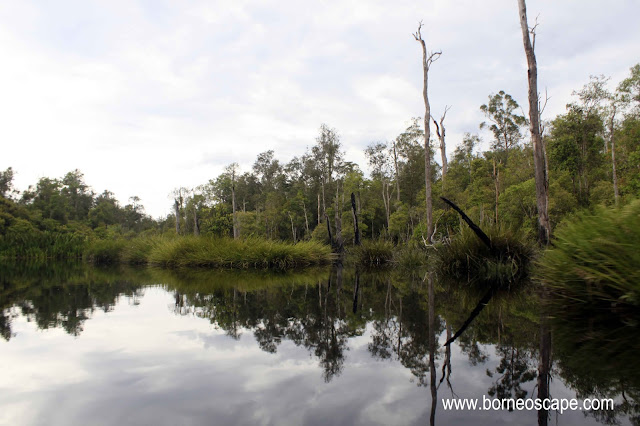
{"x": 243, "y": 254}
{"x": 595, "y": 259}
{"x": 41, "y": 245}
{"x": 465, "y": 257}
{"x": 190, "y": 251}
{"x": 104, "y": 250}
{"x": 374, "y": 252}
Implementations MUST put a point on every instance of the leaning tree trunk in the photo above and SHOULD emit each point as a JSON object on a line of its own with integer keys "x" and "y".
{"x": 426, "y": 63}
{"x": 541, "y": 180}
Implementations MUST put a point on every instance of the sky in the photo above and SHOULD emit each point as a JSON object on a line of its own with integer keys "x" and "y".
{"x": 144, "y": 96}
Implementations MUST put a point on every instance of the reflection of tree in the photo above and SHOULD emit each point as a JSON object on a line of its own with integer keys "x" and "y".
{"x": 515, "y": 369}
{"x": 597, "y": 357}
{"x": 404, "y": 332}
{"x": 544, "y": 366}
{"x": 59, "y": 295}
{"x": 312, "y": 315}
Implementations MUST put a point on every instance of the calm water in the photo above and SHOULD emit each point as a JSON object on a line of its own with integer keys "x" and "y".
{"x": 125, "y": 346}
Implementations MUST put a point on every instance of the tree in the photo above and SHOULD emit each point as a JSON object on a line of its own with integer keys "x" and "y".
{"x": 505, "y": 124}
{"x": 575, "y": 146}
{"x": 231, "y": 170}
{"x": 427, "y": 61}
{"x": 541, "y": 178}
{"x": 78, "y": 195}
{"x": 6, "y": 182}
{"x": 327, "y": 157}
{"x": 381, "y": 170}
{"x": 179, "y": 198}
{"x": 630, "y": 89}
{"x": 506, "y": 132}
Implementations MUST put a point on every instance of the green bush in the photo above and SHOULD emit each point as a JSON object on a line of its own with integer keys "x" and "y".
{"x": 105, "y": 250}
{"x": 464, "y": 256}
{"x": 374, "y": 252}
{"x": 595, "y": 258}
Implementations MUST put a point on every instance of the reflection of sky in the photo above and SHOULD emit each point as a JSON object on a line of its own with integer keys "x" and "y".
{"x": 145, "y": 365}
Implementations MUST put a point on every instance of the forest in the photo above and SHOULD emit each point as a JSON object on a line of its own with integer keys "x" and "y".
{"x": 592, "y": 153}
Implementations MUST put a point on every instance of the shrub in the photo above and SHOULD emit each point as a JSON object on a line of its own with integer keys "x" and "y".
{"x": 105, "y": 250}
{"x": 464, "y": 256}
{"x": 595, "y": 258}
{"x": 374, "y": 252}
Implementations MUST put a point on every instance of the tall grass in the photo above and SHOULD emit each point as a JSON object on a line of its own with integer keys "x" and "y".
{"x": 465, "y": 257}
{"x": 40, "y": 245}
{"x": 104, "y": 250}
{"x": 374, "y": 252}
{"x": 167, "y": 251}
{"x": 244, "y": 254}
{"x": 595, "y": 259}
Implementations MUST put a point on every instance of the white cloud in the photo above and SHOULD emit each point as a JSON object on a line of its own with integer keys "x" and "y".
{"x": 143, "y": 97}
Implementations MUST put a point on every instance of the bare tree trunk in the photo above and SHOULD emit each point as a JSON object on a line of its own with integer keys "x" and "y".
{"x": 426, "y": 63}
{"x": 338, "y": 219}
{"x": 496, "y": 179}
{"x": 306, "y": 220}
{"x": 319, "y": 219}
{"x": 616, "y": 195}
{"x": 541, "y": 179}
{"x": 324, "y": 204}
{"x": 196, "y": 226}
{"x": 293, "y": 229}
{"x": 356, "y": 229}
{"x": 386, "y": 199}
{"x": 236, "y": 234}
{"x": 176, "y": 207}
{"x": 440, "y": 131}
{"x": 395, "y": 164}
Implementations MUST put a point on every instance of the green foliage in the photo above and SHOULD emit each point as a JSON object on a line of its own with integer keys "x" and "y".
{"x": 595, "y": 258}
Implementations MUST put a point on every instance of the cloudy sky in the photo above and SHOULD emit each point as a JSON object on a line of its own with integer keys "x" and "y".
{"x": 144, "y": 96}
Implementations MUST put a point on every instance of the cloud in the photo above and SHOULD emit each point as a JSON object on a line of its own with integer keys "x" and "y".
{"x": 146, "y": 96}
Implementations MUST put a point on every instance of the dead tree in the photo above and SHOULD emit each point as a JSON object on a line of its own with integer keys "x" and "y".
{"x": 440, "y": 131}
{"x": 427, "y": 60}
{"x": 196, "y": 225}
{"x": 612, "y": 141}
{"x": 395, "y": 166}
{"x": 232, "y": 171}
{"x": 356, "y": 228}
{"x": 541, "y": 179}
{"x": 176, "y": 207}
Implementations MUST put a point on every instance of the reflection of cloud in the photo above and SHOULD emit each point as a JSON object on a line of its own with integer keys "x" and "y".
{"x": 145, "y": 365}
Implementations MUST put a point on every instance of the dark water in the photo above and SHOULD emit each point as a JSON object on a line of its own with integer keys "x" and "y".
{"x": 90, "y": 346}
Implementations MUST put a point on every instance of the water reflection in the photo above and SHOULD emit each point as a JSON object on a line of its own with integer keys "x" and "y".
{"x": 501, "y": 347}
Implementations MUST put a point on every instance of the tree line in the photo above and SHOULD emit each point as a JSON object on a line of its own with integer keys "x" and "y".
{"x": 592, "y": 156}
